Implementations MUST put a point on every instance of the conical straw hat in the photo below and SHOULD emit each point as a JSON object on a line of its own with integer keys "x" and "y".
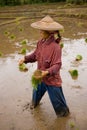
{"x": 48, "y": 24}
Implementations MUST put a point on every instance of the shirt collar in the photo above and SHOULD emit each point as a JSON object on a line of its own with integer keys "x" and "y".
{"x": 49, "y": 40}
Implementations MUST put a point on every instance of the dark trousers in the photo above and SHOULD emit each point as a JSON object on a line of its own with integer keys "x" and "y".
{"x": 56, "y": 97}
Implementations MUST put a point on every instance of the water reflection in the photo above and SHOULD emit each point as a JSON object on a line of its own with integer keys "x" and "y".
{"x": 16, "y": 86}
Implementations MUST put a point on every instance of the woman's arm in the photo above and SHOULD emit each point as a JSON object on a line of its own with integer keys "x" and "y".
{"x": 29, "y": 58}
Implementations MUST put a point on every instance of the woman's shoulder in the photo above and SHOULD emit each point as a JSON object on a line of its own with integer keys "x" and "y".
{"x": 40, "y": 42}
{"x": 55, "y": 45}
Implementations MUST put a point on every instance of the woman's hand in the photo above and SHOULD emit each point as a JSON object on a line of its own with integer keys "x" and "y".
{"x": 21, "y": 61}
{"x": 39, "y": 75}
{"x": 44, "y": 73}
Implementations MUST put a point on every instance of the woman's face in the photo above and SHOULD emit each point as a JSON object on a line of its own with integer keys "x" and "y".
{"x": 44, "y": 34}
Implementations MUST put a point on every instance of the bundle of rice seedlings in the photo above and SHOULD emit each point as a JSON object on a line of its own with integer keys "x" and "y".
{"x": 78, "y": 58}
{"x": 80, "y": 24}
{"x": 36, "y": 78}
{"x": 61, "y": 45}
{"x": 72, "y": 125}
{"x": 0, "y": 54}
{"x": 20, "y": 29}
{"x": 23, "y": 67}
{"x": 12, "y": 36}
{"x": 6, "y": 33}
{"x": 22, "y": 51}
{"x": 74, "y": 73}
{"x": 24, "y": 42}
{"x": 86, "y": 40}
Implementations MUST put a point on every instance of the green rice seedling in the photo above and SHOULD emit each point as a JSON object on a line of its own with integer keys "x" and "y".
{"x": 17, "y": 21}
{"x": 55, "y": 36}
{"x": 60, "y": 19}
{"x": 78, "y": 58}
{"x": 74, "y": 73}
{"x": 59, "y": 7}
{"x": 6, "y": 33}
{"x": 20, "y": 29}
{"x": 68, "y": 5}
{"x": 24, "y": 42}
{"x": 23, "y": 51}
{"x": 12, "y": 37}
{"x": 86, "y": 40}
{"x": 35, "y": 82}
{"x": 72, "y": 125}
{"x": 61, "y": 45}
{"x": 80, "y": 15}
{"x": 36, "y": 79}
{"x": 77, "y": 128}
{"x": 23, "y": 67}
{"x": 62, "y": 31}
{"x": 0, "y": 54}
{"x": 80, "y": 24}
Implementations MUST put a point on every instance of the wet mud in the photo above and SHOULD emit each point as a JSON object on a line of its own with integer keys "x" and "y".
{"x": 16, "y": 87}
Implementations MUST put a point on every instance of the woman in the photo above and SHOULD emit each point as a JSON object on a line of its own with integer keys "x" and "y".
{"x": 48, "y": 57}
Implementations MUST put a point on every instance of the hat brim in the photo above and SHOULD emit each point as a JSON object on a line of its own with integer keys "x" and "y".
{"x": 47, "y": 26}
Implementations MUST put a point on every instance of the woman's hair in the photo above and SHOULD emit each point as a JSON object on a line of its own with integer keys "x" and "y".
{"x": 58, "y": 39}
{"x": 56, "y": 35}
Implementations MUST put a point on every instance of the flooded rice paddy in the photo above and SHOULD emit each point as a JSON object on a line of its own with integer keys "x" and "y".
{"x": 15, "y": 86}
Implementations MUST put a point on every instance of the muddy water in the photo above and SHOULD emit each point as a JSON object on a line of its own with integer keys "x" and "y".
{"x": 16, "y": 88}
